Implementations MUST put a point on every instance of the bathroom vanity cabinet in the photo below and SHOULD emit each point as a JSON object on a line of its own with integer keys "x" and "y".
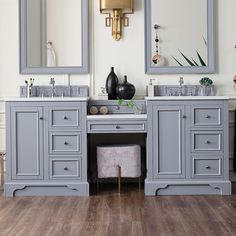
{"x": 187, "y": 146}
{"x": 46, "y": 148}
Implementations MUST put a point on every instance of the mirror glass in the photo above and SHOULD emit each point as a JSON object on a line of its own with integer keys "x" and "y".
{"x": 179, "y": 36}
{"x": 54, "y": 36}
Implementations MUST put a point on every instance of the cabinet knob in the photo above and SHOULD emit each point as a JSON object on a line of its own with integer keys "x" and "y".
{"x": 65, "y": 143}
{"x": 65, "y": 118}
{"x": 117, "y": 108}
{"x": 208, "y": 142}
{"x": 184, "y": 116}
{"x": 65, "y": 168}
{"x": 41, "y": 118}
{"x": 117, "y": 127}
{"x": 208, "y": 116}
{"x": 208, "y": 167}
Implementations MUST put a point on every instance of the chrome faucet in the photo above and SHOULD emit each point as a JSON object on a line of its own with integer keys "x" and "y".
{"x": 181, "y": 82}
{"x": 52, "y": 82}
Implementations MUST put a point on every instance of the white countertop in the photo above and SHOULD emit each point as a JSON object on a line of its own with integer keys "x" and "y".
{"x": 187, "y": 98}
{"x": 117, "y": 116}
{"x": 45, "y": 99}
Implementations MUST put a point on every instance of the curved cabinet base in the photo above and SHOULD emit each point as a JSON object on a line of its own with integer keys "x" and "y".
{"x": 153, "y": 188}
{"x": 46, "y": 189}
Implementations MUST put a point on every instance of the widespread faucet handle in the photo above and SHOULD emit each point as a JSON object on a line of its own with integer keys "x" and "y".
{"x": 181, "y": 81}
{"x": 52, "y": 81}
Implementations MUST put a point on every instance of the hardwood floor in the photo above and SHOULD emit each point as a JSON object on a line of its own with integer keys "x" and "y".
{"x": 110, "y": 214}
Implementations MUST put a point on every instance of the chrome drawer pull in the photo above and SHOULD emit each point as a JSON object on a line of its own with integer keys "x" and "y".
{"x": 66, "y": 169}
{"x": 207, "y": 116}
{"x": 208, "y": 167}
{"x": 117, "y": 127}
{"x": 65, "y": 143}
{"x": 65, "y": 118}
{"x": 208, "y": 142}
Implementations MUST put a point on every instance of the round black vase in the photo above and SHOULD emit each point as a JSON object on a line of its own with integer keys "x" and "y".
{"x": 111, "y": 83}
{"x": 125, "y": 90}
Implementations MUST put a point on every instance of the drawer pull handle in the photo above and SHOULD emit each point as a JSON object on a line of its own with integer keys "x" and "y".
{"x": 117, "y": 127}
{"x": 208, "y": 142}
{"x": 65, "y": 143}
{"x": 66, "y": 169}
{"x": 208, "y": 116}
{"x": 184, "y": 116}
{"x": 117, "y": 108}
{"x": 41, "y": 118}
{"x": 65, "y": 118}
{"x": 208, "y": 167}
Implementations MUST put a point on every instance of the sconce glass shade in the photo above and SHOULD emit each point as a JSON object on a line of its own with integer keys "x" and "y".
{"x": 125, "y": 5}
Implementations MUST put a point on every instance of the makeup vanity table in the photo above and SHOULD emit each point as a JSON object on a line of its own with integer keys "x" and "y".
{"x": 187, "y": 144}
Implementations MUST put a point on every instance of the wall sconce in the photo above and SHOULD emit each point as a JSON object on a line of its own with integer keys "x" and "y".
{"x": 116, "y": 9}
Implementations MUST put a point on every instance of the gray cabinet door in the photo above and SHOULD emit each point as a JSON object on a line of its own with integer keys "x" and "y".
{"x": 27, "y": 142}
{"x": 169, "y": 141}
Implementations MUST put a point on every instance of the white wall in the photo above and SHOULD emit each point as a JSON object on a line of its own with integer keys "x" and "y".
{"x": 127, "y": 55}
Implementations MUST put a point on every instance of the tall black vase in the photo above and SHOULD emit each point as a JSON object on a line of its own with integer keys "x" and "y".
{"x": 125, "y": 90}
{"x": 111, "y": 83}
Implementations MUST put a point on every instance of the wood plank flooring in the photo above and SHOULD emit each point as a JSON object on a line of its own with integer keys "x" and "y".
{"x": 131, "y": 213}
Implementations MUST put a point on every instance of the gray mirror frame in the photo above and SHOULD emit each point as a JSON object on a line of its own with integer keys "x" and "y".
{"x": 209, "y": 69}
{"x": 83, "y": 69}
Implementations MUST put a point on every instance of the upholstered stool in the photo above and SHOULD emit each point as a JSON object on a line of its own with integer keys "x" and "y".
{"x": 119, "y": 161}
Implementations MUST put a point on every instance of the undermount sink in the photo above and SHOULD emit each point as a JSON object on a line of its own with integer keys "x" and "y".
{"x": 184, "y": 90}
{"x": 57, "y": 91}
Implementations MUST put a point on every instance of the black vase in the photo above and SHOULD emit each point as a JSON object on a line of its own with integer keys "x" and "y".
{"x": 111, "y": 83}
{"x": 125, "y": 90}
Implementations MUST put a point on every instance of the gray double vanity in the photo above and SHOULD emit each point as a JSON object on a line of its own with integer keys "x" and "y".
{"x": 186, "y": 139}
{"x": 51, "y": 136}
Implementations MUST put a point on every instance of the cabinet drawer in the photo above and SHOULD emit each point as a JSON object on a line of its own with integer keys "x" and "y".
{"x": 207, "y": 141}
{"x": 64, "y": 117}
{"x": 117, "y": 127}
{"x": 202, "y": 167}
{"x": 207, "y": 116}
{"x": 65, "y": 168}
{"x": 65, "y": 142}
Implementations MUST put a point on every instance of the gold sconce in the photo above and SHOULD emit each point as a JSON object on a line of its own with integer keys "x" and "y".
{"x": 116, "y": 9}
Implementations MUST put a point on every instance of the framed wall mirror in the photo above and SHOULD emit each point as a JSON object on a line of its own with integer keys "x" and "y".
{"x": 54, "y": 36}
{"x": 179, "y": 36}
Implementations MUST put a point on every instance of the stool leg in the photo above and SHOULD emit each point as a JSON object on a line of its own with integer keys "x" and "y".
{"x": 97, "y": 186}
{"x": 139, "y": 184}
{"x": 119, "y": 176}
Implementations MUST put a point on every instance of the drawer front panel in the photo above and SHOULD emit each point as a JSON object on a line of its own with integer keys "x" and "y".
{"x": 65, "y": 168}
{"x": 65, "y": 142}
{"x": 210, "y": 116}
{"x": 207, "y": 167}
{"x": 117, "y": 127}
{"x": 65, "y": 117}
{"x": 207, "y": 141}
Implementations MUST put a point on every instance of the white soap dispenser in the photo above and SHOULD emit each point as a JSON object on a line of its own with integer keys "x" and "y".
{"x": 151, "y": 88}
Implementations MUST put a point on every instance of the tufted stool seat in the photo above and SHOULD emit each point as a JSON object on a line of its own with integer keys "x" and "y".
{"x": 119, "y": 161}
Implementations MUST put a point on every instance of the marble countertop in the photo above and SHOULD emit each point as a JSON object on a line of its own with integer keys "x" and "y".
{"x": 187, "y": 98}
{"x": 45, "y": 99}
{"x": 117, "y": 116}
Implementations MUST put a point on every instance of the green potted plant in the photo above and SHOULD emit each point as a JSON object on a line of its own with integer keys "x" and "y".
{"x": 207, "y": 87}
{"x": 130, "y": 104}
